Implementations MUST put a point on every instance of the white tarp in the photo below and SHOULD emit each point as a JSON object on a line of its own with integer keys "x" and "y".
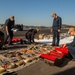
{"x": 49, "y": 41}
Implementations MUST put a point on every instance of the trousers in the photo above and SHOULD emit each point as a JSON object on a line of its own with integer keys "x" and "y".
{"x": 56, "y": 37}
{"x": 8, "y": 37}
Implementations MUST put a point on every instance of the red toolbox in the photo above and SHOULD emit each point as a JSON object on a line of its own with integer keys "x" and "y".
{"x": 58, "y": 54}
{"x": 62, "y": 49}
{"x": 53, "y": 58}
{"x": 49, "y": 57}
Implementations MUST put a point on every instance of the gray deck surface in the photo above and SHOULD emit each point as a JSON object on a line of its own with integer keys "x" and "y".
{"x": 42, "y": 68}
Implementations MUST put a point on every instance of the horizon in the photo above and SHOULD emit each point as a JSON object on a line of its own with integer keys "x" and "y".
{"x": 37, "y": 12}
{"x": 38, "y": 25}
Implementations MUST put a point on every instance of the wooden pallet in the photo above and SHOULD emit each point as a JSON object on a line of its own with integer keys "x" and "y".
{"x": 10, "y": 65}
{"x": 28, "y": 60}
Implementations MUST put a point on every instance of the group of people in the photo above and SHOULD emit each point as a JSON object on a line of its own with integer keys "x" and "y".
{"x": 8, "y": 32}
{"x": 56, "y": 29}
{"x": 10, "y": 23}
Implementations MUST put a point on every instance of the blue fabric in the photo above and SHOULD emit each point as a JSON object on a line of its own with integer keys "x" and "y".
{"x": 56, "y": 38}
{"x": 72, "y": 43}
{"x": 71, "y": 48}
{"x": 57, "y": 23}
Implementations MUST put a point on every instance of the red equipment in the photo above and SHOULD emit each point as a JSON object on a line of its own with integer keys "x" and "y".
{"x": 56, "y": 53}
{"x": 53, "y": 59}
{"x": 56, "y": 56}
{"x": 14, "y": 40}
{"x": 62, "y": 49}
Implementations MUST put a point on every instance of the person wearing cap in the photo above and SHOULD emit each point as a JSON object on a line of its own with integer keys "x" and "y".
{"x": 71, "y": 46}
{"x": 8, "y": 33}
{"x": 30, "y": 35}
{"x": 56, "y": 28}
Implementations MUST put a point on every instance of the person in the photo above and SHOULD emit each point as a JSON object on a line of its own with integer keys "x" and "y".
{"x": 30, "y": 35}
{"x": 8, "y": 33}
{"x": 71, "y": 46}
{"x": 2, "y": 27}
{"x": 56, "y": 28}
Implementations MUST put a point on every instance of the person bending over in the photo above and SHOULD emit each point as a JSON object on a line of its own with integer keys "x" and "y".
{"x": 30, "y": 35}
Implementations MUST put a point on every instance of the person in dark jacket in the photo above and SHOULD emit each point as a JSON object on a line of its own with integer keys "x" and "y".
{"x": 30, "y": 35}
{"x": 71, "y": 46}
{"x": 8, "y": 33}
{"x": 56, "y": 28}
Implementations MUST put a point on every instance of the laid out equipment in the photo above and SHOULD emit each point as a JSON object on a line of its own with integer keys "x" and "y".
{"x": 56, "y": 56}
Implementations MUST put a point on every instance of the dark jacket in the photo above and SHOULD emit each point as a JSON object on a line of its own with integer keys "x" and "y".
{"x": 57, "y": 23}
{"x": 72, "y": 44}
{"x": 10, "y": 25}
{"x": 71, "y": 48}
{"x": 31, "y": 33}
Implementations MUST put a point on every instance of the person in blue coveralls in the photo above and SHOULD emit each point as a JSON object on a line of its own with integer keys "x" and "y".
{"x": 56, "y": 29}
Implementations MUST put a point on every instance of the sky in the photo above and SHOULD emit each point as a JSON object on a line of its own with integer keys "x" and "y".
{"x": 37, "y": 12}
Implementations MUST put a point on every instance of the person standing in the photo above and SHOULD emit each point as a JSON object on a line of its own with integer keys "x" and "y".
{"x": 56, "y": 28}
{"x": 8, "y": 33}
